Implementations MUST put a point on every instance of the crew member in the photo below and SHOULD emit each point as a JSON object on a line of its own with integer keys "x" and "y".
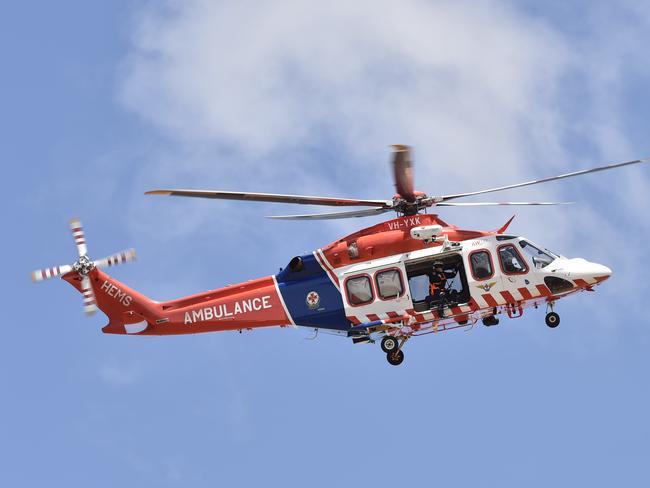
{"x": 438, "y": 286}
{"x": 438, "y": 280}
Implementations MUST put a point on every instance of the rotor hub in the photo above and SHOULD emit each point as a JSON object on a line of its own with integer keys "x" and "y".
{"x": 408, "y": 208}
{"x": 83, "y": 265}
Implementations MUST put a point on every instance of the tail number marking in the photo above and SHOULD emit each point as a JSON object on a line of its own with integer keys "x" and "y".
{"x": 114, "y": 292}
{"x": 227, "y": 310}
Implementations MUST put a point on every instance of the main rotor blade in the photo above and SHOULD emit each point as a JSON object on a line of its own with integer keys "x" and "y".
{"x": 90, "y": 303}
{"x": 330, "y": 216}
{"x": 47, "y": 273}
{"x": 79, "y": 237}
{"x": 486, "y": 204}
{"x": 117, "y": 258}
{"x": 272, "y": 197}
{"x": 544, "y": 180}
{"x": 403, "y": 171}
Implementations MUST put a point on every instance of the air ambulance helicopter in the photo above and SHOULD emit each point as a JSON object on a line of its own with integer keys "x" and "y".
{"x": 407, "y": 277}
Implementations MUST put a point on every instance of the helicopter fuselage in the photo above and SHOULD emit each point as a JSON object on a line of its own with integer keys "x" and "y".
{"x": 369, "y": 284}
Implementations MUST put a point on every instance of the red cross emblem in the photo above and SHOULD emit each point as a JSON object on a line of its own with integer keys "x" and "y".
{"x": 313, "y": 300}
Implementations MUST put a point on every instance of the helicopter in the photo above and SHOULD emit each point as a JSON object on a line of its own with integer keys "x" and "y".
{"x": 406, "y": 277}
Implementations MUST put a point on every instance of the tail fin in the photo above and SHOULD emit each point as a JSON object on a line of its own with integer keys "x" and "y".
{"x": 505, "y": 226}
{"x": 128, "y": 311}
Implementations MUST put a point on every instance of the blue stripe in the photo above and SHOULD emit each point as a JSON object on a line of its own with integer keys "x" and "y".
{"x": 296, "y": 285}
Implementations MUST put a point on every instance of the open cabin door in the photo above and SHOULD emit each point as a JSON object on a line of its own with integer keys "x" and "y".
{"x": 452, "y": 292}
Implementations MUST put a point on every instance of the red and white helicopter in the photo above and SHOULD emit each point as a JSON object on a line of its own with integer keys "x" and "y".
{"x": 403, "y": 278}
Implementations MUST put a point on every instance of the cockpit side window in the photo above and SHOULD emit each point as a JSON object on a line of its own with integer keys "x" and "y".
{"x": 539, "y": 258}
{"x": 511, "y": 260}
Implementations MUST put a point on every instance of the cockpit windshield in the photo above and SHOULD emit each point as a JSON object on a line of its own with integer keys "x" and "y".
{"x": 539, "y": 258}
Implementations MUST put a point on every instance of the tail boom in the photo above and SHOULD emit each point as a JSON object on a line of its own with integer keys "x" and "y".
{"x": 256, "y": 303}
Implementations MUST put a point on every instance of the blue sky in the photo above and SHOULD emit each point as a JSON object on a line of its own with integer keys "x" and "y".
{"x": 102, "y": 101}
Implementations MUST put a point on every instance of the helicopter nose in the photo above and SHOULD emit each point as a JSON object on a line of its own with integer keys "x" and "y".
{"x": 586, "y": 274}
{"x": 600, "y": 272}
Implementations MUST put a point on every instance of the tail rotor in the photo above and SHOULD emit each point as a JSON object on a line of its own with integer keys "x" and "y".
{"x": 83, "y": 266}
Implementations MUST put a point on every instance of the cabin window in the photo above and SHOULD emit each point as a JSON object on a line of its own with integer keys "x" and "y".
{"x": 359, "y": 290}
{"x": 511, "y": 260}
{"x": 481, "y": 264}
{"x": 539, "y": 258}
{"x": 389, "y": 284}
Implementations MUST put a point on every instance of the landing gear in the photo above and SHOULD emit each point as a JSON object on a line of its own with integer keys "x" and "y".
{"x": 552, "y": 320}
{"x": 392, "y": 346}
{"x": 395, "y": 358}
{"x": 389, "y": 344}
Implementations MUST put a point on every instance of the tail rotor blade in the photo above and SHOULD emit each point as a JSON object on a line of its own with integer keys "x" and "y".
{"x": 403, "y": 172}
{"x": 79, "y": 236}
{"x": 117, "y": 258}
{"x": 47, "y": 273}
{"x": 90, "y": 303}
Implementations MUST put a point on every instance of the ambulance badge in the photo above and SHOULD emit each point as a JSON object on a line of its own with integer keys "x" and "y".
{"x": 312, "y": 300}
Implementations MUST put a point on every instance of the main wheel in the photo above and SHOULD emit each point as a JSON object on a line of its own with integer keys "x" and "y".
{"x": 395, "y": 358}
{"x": 389, "y": 344}
{"x": 552, "y": 319}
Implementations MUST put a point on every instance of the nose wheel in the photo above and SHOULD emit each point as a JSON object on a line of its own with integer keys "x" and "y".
{"x": 552, "y": 320}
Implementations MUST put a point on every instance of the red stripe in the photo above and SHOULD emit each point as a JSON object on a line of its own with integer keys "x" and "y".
{"x": 456, "y": 310}
{"x": 544, "y": 290}
{"x": 525, "y": 293}
{"x": 354, "y": 320}
{"x": 489, "y": 299}
{"x": 473, "y": 305}
{"x": 581, "y": 283}
{"x": 508, "y": 296}
{"x": 372, "y": 317}
{"x": 327, "y": 268}
{"x": 392, "y": 315}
